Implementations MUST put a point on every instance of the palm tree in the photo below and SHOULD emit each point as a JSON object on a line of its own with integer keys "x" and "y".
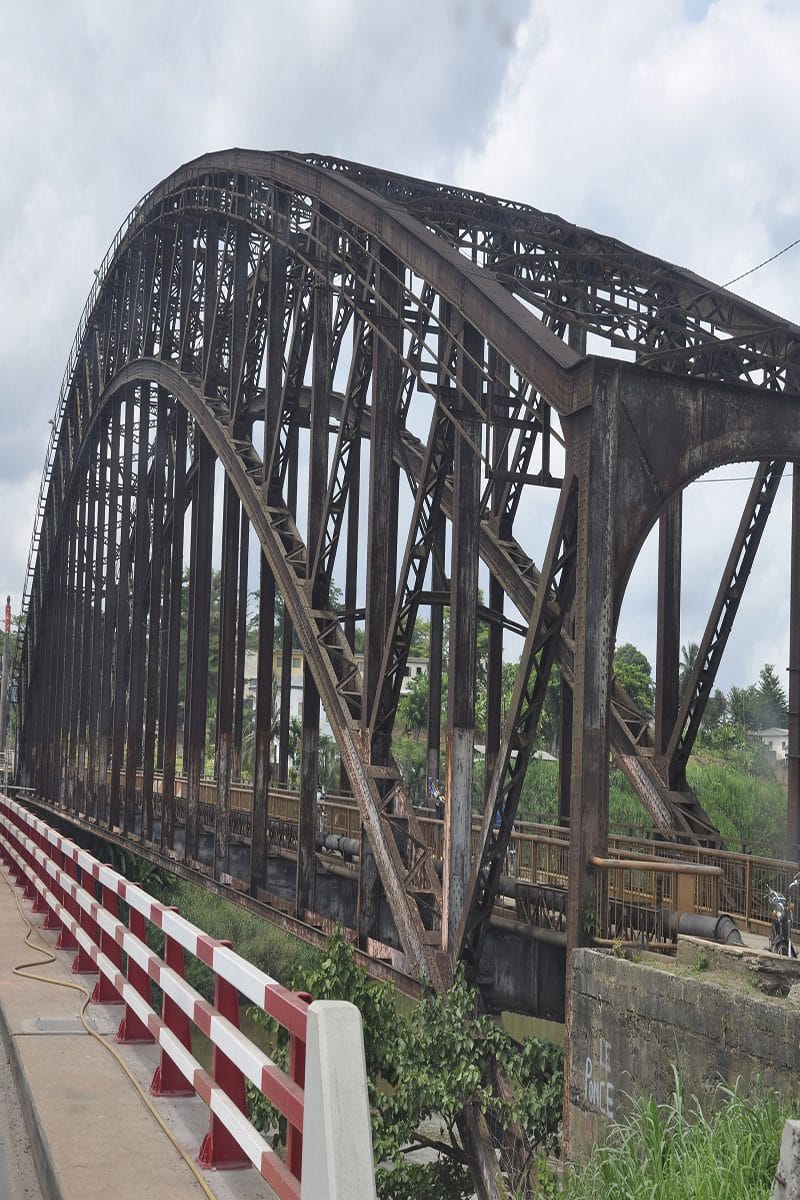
{"x": 689, "y": 655}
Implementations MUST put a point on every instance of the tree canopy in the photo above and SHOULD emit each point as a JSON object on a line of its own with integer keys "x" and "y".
{"x": 634, "y": 673}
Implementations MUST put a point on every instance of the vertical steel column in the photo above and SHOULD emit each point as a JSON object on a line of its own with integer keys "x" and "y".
{"x": 166, "y": 599}
{"x": 154, "y": 639}
{"x": 228, "y": 625}
{"x": 137, "y": 639}
{"x": 381, "y": 580}
{"x": 793, "y": 798}
{"x": 122, "y": 641}
{"x": 169, "y": 733}
{"x": 576, "y": 339}
{"x": 565, "y": 755}
{"x": 436, "y": 658}
{"x": 241, "y": 646}
{"x": 263, "y": 726}
{"x": 192, "y": 493}
{"x": 463, "y": 636}
{"x": 109, "y": 615}
{"x": 668, "y": 639}
{"x": 264, "y": 715}
{"x": 70, "y": 535}
{"x": 54, "y": 616}
{"x": 499, "y": 373}
{"x": 594, "y": 447}
{"x": 287, "y": 643}
{"x": 66, "y": 564}
{"x": 90, "y": 601}
{"x": 351, "y": 567}
{"x": 317, "y": 493}
{"x": 595, "y": 432}
{"x": 76, "y": 646}
{"x": 197, "y": 683}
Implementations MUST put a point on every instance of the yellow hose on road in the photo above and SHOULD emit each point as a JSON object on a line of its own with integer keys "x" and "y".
{"x": 23, "y": 970}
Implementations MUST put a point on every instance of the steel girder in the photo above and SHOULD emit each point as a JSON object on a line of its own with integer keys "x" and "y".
{"x": 264, "y": 311}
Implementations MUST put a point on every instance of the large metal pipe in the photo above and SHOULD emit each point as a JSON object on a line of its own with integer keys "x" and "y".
{"x": 714, "y": 929}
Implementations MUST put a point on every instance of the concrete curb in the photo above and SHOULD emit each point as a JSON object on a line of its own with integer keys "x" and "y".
{"x": 40, "y": 1146}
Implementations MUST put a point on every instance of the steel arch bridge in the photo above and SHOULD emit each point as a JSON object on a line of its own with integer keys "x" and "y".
{"x": 348, "y": 376}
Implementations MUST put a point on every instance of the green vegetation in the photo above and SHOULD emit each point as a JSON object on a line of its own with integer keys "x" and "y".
{"x": 285, "y": 958}
{"x": 635, "y": 674}
{"x": 424, "y": 1067}
{"x": 740, "y": 793}
{"x": 676, "y": 1152}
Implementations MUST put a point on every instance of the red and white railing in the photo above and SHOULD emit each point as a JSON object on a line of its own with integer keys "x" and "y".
{"x": 324, "y": 1094}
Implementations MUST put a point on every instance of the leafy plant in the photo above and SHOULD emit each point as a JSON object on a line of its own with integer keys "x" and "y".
{"x": 424, "y": 1067}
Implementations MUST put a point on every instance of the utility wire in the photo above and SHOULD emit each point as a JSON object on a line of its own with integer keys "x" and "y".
{"x": 758, "y": 266}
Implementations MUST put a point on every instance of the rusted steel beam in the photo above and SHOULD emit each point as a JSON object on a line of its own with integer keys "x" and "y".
{"x": 565, "y": 754}
{"x": 595, "y": 448}
{"x": 553, "y": 601}
{"x": 156, "y": 641}
{"x": 318, "y": 586}
{"x": 241, "y": 645}
{"x": 436, "y": 658}
{"x": 174, "y": 572}
{"x": 668, "y": 634}
{"x": 122, "y": 623}
{"x": 462, "y": 660}
{"x": 720, "y": 621}
{"x": 109, "y": 616}
{"x": 225, "y": 680}
{"x": 141, "y": 559}
{"x": 264, "y": 721}
{"x": 65, "y": 656}
{"x": 198, "y": 633}
{"x": 77, "y": 665}
{"x": 497, "y": 395}
{"x": 793, "y": 782}
{"x": 90, "y": 603}
{"x": 351, "y": 565}
{"x": 287, "y": 633}
{"x": 436, "y": 465}
{"x": 381, "y": 559}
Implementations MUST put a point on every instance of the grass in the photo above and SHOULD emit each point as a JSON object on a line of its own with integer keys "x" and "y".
{"x": 280, "y": 955}
{"x": 674, "y": 1152}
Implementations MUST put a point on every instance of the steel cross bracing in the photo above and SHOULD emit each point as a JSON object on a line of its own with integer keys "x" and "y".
{"x": 269, "y": 323}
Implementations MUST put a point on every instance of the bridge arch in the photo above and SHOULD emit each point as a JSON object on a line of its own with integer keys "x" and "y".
{"x": 281, "y": 315}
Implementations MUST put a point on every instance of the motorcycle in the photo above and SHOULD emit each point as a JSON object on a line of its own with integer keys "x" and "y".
{"x": 782, "y": 911}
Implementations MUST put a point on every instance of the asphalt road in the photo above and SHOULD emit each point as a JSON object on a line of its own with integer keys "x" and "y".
{"x": 17, "y": 1175}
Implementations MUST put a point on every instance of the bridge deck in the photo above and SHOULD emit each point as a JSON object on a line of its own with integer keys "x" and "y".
{"x": 91, "y": 1135}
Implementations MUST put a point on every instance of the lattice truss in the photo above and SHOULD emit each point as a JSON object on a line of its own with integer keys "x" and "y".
{"x": 308, "y": 373}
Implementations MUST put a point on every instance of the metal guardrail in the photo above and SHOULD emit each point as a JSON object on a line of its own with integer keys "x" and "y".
{"x": 63, "y": 880}
{"x": 538, "y": 853}
{"x": 640, "y": 901}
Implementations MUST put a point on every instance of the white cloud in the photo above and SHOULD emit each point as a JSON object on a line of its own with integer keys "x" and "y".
{"x": 671, "y": 127}
{"x": 669, "y": 124}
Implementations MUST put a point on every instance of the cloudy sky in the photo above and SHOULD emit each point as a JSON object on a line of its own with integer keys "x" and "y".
{"x": 670, "y": 124}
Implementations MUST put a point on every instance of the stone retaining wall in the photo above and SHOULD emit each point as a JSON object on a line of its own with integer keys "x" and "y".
{"x": 708, "y": 1015}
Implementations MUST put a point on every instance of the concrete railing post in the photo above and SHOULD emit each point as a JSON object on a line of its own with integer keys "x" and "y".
{"x": 337, "y": 1138}
{"x": 787, "y": 1176}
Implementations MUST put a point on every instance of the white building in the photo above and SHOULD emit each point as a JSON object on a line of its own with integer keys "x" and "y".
{"x": 777, "y": 740}
{"x": 414, "y": 667}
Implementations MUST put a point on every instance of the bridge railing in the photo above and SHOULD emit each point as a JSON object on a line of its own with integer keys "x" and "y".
{"x": 538, "y": 851}
{"x": 639, "y": 901}
{"x": 326, "y": 1044}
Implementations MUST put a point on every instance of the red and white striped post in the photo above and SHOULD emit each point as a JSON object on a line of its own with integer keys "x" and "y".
{"x": 220, "y": 1150}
